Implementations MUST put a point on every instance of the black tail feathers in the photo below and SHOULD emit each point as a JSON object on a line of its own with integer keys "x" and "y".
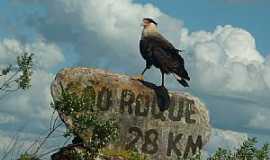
{"x": 185, "y": 75}
{"x": 183, "y": 82}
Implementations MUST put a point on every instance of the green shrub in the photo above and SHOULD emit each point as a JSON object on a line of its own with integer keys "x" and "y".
{"x": 84, "y": 117}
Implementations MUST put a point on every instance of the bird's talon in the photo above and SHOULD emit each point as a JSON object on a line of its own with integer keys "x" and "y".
{"x": 141, "y": 78}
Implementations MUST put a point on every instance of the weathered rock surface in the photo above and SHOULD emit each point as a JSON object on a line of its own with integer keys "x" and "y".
{"x": 179, "y": 131}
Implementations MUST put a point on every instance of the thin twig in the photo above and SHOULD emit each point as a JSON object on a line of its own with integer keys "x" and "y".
{"x": 55, "y": 149}
{"x": 6, "y": 82}
{"x": 51, "y": 125}
{"x": 52, "y": 118}
{"x": 12, "y": 147}
{"x": 45, "y": 139}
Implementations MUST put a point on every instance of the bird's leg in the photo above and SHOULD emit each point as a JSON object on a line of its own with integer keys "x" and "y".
{"x": 140, "y": 77}
{"x": 144, "y": 71}
{"x": 162, "y": 75}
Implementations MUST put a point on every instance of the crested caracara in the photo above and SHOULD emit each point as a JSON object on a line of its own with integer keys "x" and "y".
{"x": 158, "y": 51}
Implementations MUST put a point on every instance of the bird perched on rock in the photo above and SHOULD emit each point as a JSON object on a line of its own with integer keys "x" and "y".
{"x": 158, "y": 51}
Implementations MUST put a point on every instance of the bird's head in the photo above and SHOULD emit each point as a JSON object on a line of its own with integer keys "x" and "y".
{"x": 149, "y": 23}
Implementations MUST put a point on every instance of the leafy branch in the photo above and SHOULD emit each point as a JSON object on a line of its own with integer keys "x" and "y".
{"x": 15, "y": 77}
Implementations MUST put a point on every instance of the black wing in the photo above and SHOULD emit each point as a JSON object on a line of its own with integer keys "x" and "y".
{"x": 146, "y": 52}
{"x": 162, "y": 54}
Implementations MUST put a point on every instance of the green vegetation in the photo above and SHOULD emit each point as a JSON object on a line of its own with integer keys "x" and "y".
{"x": 25, "y": 63}
{"x": 84, "y": 117}
{"x": 18, "y": 76}
{"x": 128, "y": 154}
{"x": 248, "y": 151}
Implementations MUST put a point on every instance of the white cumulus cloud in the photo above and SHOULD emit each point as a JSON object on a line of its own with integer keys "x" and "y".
{"x": 46, "y": 54}
{"x": 225, "y": 60}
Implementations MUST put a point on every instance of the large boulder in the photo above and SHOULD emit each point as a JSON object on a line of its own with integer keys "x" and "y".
{"x": 177, "y": 132}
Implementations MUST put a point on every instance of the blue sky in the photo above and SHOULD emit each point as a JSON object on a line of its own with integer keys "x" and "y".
{"x": 228, "y": 72}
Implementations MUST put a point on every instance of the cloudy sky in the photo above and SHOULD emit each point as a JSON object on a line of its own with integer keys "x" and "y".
{"x": 226, "y": 45}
